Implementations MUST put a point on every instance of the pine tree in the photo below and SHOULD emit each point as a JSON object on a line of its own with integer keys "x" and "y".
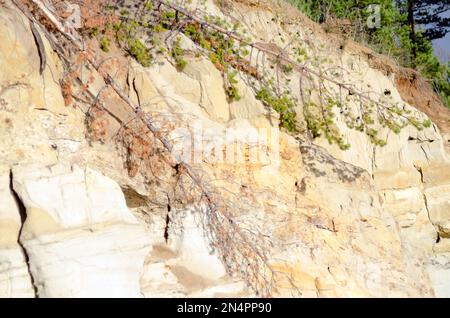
{"x": 428, "y": 12}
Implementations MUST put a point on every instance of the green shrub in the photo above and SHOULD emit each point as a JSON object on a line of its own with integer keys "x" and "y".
{"x": 105, "y": 43}
{"x": 228, "y": 58}
{"x": 284, "y": 105}
{"x": 177, "y": 54}
{"x": 140, "y": 52}
{"x": 231, "y": 89}
{"x": 391, "y": 38}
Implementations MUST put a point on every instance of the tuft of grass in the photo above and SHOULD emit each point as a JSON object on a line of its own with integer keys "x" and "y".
{"x": 140, "y": 52}
{"x": 105, "y": 44}
{"x": 284, "y": 105}
{"x": 177, "y": 54}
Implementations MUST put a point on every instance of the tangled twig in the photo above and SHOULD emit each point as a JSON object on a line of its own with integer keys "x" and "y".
{"x": 250, "y": 255}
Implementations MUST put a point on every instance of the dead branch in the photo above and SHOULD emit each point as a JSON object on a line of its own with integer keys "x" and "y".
{"x": 249, "y": 256}
{"x": 274, "y": 53}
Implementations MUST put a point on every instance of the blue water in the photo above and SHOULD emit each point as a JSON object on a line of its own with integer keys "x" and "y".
{"x": 442, "y": 46}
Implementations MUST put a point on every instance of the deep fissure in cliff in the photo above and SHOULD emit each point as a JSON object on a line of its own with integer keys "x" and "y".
{"x": 23, "y": 217}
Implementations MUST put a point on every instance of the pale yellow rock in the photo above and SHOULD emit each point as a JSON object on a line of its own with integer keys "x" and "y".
{"x": 443, "y": 246}
{"x": 248, "y": 107}
{"x": 421, "y": 235}
{"x": 182, "y": 84}
{"x": 10, "y": 232}
{"x": 212, "y": 94}
{"x": 397, "y": 179}
{"x": 435, "y": 175}
{"x": 438, "y": 203}
{"x": 145, "y": 94}
{"x": 35, "y": 123}
{"x": 362, "y": 222}
{"x": 39, "y": 222}
{"x": 404, "y": 204}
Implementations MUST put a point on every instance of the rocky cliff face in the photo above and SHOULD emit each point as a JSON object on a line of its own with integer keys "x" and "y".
{"x": 85, "y": 217}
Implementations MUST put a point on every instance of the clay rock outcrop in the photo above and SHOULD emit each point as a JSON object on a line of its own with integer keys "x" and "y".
{"x": 369, "y": 221}
{"x": 79, "y": 236}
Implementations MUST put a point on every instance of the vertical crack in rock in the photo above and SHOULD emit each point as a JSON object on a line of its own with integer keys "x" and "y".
{"x": 426, "y": 155}
{"x": 166, "y": 229}
{"x": 419, "y": 169}
{"x": 23, "y": 217}
{"x": 40, "y": 47}
{"x": 438, "y": 237}
{"x": 425, "y": 200}
{"x": 374, "y": 165}
{"x": 136, "y": 91}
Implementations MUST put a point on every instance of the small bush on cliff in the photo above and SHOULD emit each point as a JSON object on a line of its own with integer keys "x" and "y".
{"x": 126, "y": 35}
{"x": 177, "y": 54}
{"x": 140, "y": 52}
{"x": 229, "y": 56}
{"x": 393, "y": 37}
{"x": 284, "y": 105}
{"x": 105, "y": 43}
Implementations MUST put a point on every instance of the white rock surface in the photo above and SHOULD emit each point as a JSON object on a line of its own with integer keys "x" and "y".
{"x": 189, "y": 240}
{"x": 15, "y": 280}
{"x": 14, "y": 277}
{"x": 79, "y": 235}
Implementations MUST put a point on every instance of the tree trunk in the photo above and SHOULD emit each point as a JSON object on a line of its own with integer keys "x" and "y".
{"x": 412, "y": 31}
